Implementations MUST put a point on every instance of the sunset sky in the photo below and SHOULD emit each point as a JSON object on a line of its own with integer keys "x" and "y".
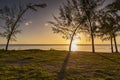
{"x": 34, "y": 30}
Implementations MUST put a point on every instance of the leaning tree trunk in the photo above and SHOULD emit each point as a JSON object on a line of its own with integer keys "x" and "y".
{"x": 111, "y": 44}
{"x": 7, "y": 44}
{"x": 62, "y": 72}
{"x": 115, "y": 43}
{"x": 6, "y": 48}
{"x": 13, "y": 27}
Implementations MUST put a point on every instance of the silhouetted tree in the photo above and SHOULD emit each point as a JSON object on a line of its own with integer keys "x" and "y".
{"x": 116, "y": 22}
{"x": 109, "y": 28}
{"x": 66, "y": 24}
{"x": 89, "y": 10}
{"x": 111, "y": 22}
{"x": 105, "y": 31}
{"x": 112, "y": 9}
{"x": 84, "y": 13}
{"x": 12, "y": 17}
{"x": 115, "y": 6}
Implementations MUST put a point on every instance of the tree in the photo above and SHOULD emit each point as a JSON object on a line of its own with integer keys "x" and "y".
{"x": 89, "y": 10}
{"x": 112, "y": 10}
{"x": 109, "y": 28}
{"x": 115, "y": 6}
{"x": 105, "y": 31}
{"x": 12, "y": 17}
{"x": 110, "y": 21}
{"x": 67, "y": 24}
{"x": 85, "y": 13}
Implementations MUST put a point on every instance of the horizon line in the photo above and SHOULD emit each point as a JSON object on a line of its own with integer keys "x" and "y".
{"x": 55, "y": 44}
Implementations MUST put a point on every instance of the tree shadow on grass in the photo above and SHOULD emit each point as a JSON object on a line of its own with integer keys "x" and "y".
{"x": 61, "y": 75}
{"x": 108, "y": 59}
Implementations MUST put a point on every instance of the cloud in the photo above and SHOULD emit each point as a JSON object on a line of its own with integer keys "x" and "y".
{"x": 46, "y": 24}
{"x": 28, "y": 23}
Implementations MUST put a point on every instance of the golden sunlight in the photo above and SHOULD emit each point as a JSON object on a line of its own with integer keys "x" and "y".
{"x": 74, "y": 46}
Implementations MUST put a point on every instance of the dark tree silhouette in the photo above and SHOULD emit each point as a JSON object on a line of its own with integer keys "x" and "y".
{"x": 75, "y": 15}
{"x": 12, "y": 17}
{"x": 115, "y": 6}
{"x": 105, "y": 31}
{"x": 109, "y": 28}
{"x": 110, "y": 21}
{"x": 66, "y": 24}
{"x": 89, "y": 10}
{"x": 112, "y": 9}
{"x": 84, "y": 12}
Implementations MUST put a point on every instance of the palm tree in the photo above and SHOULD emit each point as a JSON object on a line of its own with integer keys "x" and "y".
{"x": 13, "y": 17}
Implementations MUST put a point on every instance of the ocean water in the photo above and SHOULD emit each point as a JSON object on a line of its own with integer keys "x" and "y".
{"x": 98, "y": 48}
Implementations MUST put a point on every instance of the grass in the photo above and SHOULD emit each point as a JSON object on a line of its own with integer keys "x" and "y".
{"x": 44, "y": 65}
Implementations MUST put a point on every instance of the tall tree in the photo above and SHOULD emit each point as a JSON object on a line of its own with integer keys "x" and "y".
{"x": 12, "y": 17}
{"x": 109, "y": 28}
{"x": 85, "y": 13}
{"x": 89, "y": 10}
{"x": 105, "y": 31}
{"x": 112, "y": 10}
{"x": 111, "y": 20}
{"x": 116, "y": 22}
{"x": 67, "y": 24}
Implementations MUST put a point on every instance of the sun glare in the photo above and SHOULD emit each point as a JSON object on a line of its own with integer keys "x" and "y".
{"x": 74, "y": 46}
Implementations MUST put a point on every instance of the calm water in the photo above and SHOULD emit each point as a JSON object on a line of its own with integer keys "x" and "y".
{"x": 99, "y": 48}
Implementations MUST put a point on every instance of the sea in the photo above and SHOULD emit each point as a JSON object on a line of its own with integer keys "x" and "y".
{"x": 78, "y": 47}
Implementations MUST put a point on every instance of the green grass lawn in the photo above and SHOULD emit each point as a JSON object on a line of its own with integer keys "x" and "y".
{"x": 44, "y": 65}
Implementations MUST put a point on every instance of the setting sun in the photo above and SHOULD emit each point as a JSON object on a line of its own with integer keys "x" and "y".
{"x": 59, "y": 40}
{"x": 74, "y": 46}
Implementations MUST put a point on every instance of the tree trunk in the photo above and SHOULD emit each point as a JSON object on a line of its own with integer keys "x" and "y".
{"x": 62, "y": 72}
{"x": 91, "y": 27}
{"x": 8, "y": 40}
{"x": 111, "y": 44}
{"x": 13, "y": 26}
{"x": 115, "y": 43}
{"x": 92, "y": 36}
{"x": 93, "y": 47}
